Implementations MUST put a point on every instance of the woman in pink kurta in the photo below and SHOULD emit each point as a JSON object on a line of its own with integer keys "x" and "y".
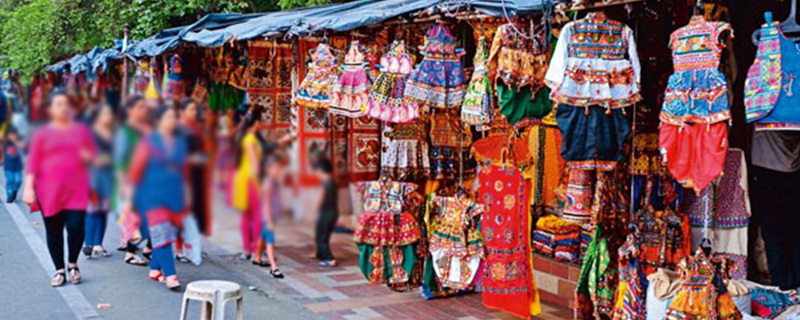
{"x": 57, "y": 182}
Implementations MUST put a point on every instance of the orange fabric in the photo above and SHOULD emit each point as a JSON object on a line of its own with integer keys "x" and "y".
{"x": 695, "y": 154}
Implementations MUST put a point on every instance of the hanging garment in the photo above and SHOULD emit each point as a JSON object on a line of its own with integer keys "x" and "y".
{"x": 321, "y": 76}
{"x": 592, "y": 137}
{"x": 630, "y": 302}
{"x": 431, "y": 283}
{"x": 695, "y": 154}
{"x": 520, "y": 105}
{"x": 594, "y": 293}
{"x": 456, "y": 244}
{"x": 438, "y": 81}
{"x": 697, "y": 92}
{"x": 173, "y": 85}
{"x": 500, "y": 146}
{"x": 702, "y": 295}
{"x": 386, "y": 100}
{"x": 508, "y": 283}
{"x": 595, "y": 63}
{"x": 477, "y": 107}
{"x": 141, "y": 77}
{"x": 451, "y": 158}
{"x": 352, "y": 90}
{"x": 771, "y": 92}
{"x": 664, "y": 239}
{"x": 724, "y": 208}
{"x": 404, "y": 156}
{"x": 386, "y": 233}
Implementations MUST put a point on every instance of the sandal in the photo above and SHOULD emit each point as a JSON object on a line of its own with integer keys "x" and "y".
{"x": 328, "y": 264}
{"x": 147, "y": 255}
{"x": 156, "y": 275}
{"x": 59, "y": 279}
{"x": 276, "y": 273}
{"x": 182, "y": 259}
{"x": 172, "y": 283}
{"x": 245, "y": 256}
{"x": 135, "y": 261}
{"x": 262, "y": 263}
{"x": 74, "y": 275}
{"x": 87, "y": 251}
{"x": 122, "y": 248}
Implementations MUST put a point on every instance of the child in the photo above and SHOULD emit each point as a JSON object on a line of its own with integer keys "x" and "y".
{"x": 13, "y": 163}
{"x": 328, "y": 213}
{"x": 271, "y": 189}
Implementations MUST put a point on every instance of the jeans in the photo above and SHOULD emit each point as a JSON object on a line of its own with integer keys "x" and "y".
{"x": 13, "y": 182}
{"x": 774, "y": 201}
{"x": 95, "y": 229}
{"x": 73, "y": 220}
{"x": 163, "y": 260}
{"x": 322, "y": 235}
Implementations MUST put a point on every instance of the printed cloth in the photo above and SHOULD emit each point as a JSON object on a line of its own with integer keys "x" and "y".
{"x": 591, "y": 137}
{"x": 508, "y": 282}
{"x": 364, "y": 149}
{"x": 519, "y": 61}
{"x": 477, "y": 106}
{"x": 764, "y": 78}
{"x": 352, "y": 90}
{"x": 697, "y": 92}
{"x": 770, "y": 304}
{"x": 385, "y": 231}
{"x": 321, "y": 76}
{"x": 630, "y": 297}
{"x": 450, "y": 154}
{"x": 784, "y": 115}
{"x": 386, "y": 99}
{"x": 438, "y": 81}
{"x": 579, "y": 196}
{"x": 269, "y": 86}
{"x": 594, "y": 293}
{"x": 694, "y": 154}
{"x": 702, "y": 294}
{"x": 726, "y": 201}
{"x": 595, "y": 63}
{"x": 456, "y": 244}
{"x": 405, "y": 154}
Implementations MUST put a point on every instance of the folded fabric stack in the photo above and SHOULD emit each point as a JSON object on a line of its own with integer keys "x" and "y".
{"x": 558, "y": 239}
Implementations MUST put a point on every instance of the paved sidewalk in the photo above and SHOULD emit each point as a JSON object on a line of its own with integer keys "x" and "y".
{"x": 342, "y": 292}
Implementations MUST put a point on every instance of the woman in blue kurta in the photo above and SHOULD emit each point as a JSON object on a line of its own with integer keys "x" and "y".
{"x": 161, "y": 192}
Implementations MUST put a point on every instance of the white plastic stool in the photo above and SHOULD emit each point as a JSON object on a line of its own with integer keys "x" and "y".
{"x": 213, "y": 294}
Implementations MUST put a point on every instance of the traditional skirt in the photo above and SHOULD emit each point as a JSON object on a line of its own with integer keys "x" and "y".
{"x": 695, "y": 154}
{"x": 405, "y": 156}
{"x": 351, "y": 92}
{"x": 316, "y": 89}
{"x": 437, "y": 82}
{"x": 696, "y": 96}
{"x": 386, "y": 100}
{"x": 508, "y": 283}
{"x": 591, "y": 136}
{"x": 385, "y": 244}
{"x": 519, "y": 104}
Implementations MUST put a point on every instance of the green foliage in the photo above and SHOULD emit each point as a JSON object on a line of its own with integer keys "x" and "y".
{"x": 291, "y": 4}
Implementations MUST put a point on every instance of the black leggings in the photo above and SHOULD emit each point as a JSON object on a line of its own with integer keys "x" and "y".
{"x": 73, "y": 220}
{"x": 325, "y": 225}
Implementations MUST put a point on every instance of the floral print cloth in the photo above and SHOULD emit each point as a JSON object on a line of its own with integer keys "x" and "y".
{"x": 438, "y": 81}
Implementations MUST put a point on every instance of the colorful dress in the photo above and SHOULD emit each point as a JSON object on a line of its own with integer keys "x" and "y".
{"x": 477, "y": 107}
{"x": 387, "y": 233}
{"x": 352, "y": 90}
{"x": 702, "y": 295}
{"x": 322, "y": 74}
{"x": 519, "y": 64}
{"x": 456, "y": 244}
{"x": 386, "y": 100}
{"x": 173, "y": 84}
{"x": 630, "y": 303}
{"x": 438, "y": 80}
{"x": 405, "y": 152}
{"x": 508, "y": 282}
{"x": 451, "y": 158}
{"x": 694, "y": 132}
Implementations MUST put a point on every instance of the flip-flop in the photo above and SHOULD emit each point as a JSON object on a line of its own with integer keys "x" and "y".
{"x": 262, "y": 263}
{"x": 135, "y": 261}
{"x": 276, "y": 273}
{"x": 59, "y": 279}
{"x": 74, "y": 275}
{"x": 182, "y": 259}
{"x": 327, "y": 264}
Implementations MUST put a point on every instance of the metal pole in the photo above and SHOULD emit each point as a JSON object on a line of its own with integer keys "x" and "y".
{"x": 124, "y": 93}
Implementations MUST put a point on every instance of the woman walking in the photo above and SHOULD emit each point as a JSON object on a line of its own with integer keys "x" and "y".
{"x": 57, "y": 181}
{"x": 199, "y": 170}
{"x": 161, "y": 191}
{"x": 245, "y": 195}
{"x": 101, "y": 183}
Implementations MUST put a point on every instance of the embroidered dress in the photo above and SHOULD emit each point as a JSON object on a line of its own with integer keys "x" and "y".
{"x": 777, "y": 64}
{"x": 508, "y": 282}
{"x": 630, "y": 303}
{"x": 702, "y": 295}
{"x": 352, "y": 90}
{"x": 519, "y": 64}
{"x": 322, "y": 74}
{"x": 451, "y": 158}
{"x": 386, "y": 100}
{"x": 405, "y": 152}
{"x": 594, "y": 292}
{"x": 438, "y": 80}
{"x": 173, "y": 84}
{"x": 697, "y": 92}
{"x": 386, "y": 233}
{"x": 477, "y": 107}
{"x": 456, "y": 244}
{"x": 595, "y": 64}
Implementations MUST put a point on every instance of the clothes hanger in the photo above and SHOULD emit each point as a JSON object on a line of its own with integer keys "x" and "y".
{"x": 787, "y": 26}
{"x": 698, "y": 8}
